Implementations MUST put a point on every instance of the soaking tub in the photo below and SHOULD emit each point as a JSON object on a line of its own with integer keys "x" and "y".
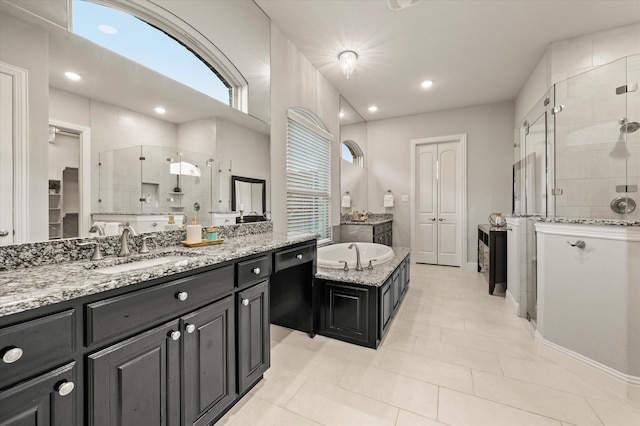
{"x": 331, "y": 256}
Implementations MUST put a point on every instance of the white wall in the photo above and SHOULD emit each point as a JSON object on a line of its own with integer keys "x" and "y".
{"x": 26, "y": 47}
{"x": 297, "y": 83}
{"x": 489, "y": 130}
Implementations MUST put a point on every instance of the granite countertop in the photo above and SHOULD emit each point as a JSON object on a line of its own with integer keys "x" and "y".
{"x": 578, "y": 221}
{"x": 375, "y": 277}
{"x": 370, "y": 222}
{"x": 29, "y": 288}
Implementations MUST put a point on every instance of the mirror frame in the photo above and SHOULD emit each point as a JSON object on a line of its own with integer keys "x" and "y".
{"x": 235, "y": 179}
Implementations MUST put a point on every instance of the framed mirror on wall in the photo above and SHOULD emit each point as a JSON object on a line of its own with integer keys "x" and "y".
{"x": 249, "y": 195}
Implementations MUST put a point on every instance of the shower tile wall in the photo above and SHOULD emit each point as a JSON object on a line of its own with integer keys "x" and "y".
{"x": 592, "y": 155}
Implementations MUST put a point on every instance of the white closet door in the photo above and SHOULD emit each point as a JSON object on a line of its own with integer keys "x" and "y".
{"x": 426, "y": 204}
{"x": 449, "y": 203}
{"x": 6, "y": 160}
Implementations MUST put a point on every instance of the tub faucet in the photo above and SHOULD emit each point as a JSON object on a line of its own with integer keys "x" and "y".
{"x": 358, "y": 264}
{"x": 124, "y": 243}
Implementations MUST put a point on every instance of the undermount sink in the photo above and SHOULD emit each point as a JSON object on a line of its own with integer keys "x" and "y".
{"x": 145, "y": 263}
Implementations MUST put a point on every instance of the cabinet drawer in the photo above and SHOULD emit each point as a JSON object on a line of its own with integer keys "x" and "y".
{"x": 36, "y": 343}
{"x": 253, "y": 270}
{"x": 378, "y": 229}
{"x": 292, "y": 257}
{"x": 123, "y": 315}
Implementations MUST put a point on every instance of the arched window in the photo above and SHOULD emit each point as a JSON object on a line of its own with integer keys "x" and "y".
{"x": 352, "y": 153}
{"x": 308, "y": 175}
{"x": 135, "y": 33}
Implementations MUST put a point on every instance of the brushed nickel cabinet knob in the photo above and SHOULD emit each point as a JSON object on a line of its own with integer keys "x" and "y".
{"x": 65, "y": 388}
{"x": 11, "y": 355}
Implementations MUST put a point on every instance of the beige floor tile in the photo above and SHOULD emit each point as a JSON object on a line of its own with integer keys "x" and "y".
{"x": 400, "y": 391}
{"x": 453, "y": 354}
{"x": 615, "y": 414}
{"x": 525, "y": 349}
{"x": 535, "y": 398}
{"x": 349, "y": 352}
{"x": 401, "y": 342}
{"x": 331, "y": 405}
{"x": 440, "y": 318}
{"x": 256, "y": 411}
{"x": 417, "y": 329}
{"x": 546, "y": 373}
{"x": 494, "y": 330}
{"x": 458, "y": 409}
{"x": 428, "y": 370}
{"x": 309, "y": 362}
{"x": 278, "y": 385}
{"x": 405, "y": 418}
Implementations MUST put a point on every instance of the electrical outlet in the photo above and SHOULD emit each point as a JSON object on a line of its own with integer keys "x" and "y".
{"x": 404, "y": 198}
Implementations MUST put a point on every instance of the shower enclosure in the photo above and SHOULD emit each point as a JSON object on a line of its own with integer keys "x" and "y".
{"x": 578, "y": 154}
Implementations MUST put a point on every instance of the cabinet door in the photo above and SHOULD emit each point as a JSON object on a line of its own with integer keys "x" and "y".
{"x": 49, "y": 399}
{"x": 209, "y": 362}
{"x": 253, "y": 334}
{"x": 395, "y": 289}
{"x": 137, "y": 381}
{"x": 386, "y": 306}
{"x": 347, "y": 313}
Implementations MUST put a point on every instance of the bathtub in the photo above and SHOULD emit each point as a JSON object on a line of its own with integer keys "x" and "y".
{"x": 330, "y": 256}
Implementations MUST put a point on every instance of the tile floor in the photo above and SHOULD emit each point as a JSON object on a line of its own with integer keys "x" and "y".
{"x": 454, "y": 356}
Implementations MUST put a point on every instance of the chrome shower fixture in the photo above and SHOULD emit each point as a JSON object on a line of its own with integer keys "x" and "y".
{"x": 628, "y": 127}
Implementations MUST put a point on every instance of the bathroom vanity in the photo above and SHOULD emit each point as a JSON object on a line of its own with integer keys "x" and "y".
{"x": 376, "y": 229}
{"x": 177, "y": 343}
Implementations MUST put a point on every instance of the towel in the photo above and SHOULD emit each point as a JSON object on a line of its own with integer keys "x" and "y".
{"x": 346, "y": 200}
{"x": 388, "y": 200}
{"x": 112, "y": 228}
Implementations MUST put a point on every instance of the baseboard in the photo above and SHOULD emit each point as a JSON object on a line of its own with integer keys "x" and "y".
{"x": 623, "y": 384}
{"x": 515, "y": 306}
{"x": 472, "y": 265}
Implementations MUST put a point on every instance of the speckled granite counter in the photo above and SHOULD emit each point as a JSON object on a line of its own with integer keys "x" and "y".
{"x": 375, "y": 277}
{"x": 374, "y": 219}
{"x": 29, "y": 288}
{"x": 578, "y": 221}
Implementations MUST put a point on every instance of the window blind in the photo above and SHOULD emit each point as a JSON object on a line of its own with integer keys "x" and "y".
{"x": 308, "y": 178}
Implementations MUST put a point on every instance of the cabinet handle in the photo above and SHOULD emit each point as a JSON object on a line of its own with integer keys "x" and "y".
{"x": 3, "y": 232}
{"x": 245, "y": 302}
{"x": 65, "y": 388}
{"x": 182, "y": 296}
{"x": 175, "y": 335}
{"x": 154, "y": 224}
{"x": 11, "y": 355}
{"x": 256, "y": 271}
{"x": 580, "y": 244}
{"x": 190, "y": 328}
{"x": 299, "y": 256}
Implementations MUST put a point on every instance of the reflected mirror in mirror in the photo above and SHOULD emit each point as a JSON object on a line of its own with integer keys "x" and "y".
{"x": 249, "y": 195}
{"x": 113, "y": 102}
{"x": 353, "y": 171}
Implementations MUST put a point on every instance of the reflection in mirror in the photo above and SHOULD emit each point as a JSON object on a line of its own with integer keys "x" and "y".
{"x": 353, "y": 171}
{"x": 112, "y": 108}
{"x": 249, "y": 195}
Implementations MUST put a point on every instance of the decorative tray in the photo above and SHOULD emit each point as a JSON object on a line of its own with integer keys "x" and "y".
{"x": 359, "y": 220}
{"x": 203, "y": 242}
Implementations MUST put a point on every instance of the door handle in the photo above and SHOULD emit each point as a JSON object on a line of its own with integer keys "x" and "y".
{"x": 3, "y": 232}
{"x": 433, "y": 220}
{"x": 441, "y": 219}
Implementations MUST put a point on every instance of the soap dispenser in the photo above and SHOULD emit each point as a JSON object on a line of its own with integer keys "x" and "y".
{"x": 171, "y": 225}
{"x": 194, "y": 231}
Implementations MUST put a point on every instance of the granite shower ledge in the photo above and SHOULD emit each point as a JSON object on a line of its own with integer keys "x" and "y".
{"x": 375, "y": 277}
{"x": 24, "y": 289}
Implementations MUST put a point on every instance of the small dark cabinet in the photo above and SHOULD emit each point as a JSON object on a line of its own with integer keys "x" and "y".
{"x": 492, "y": 255}
{"x": 346, "y": 312}
{"x": 42, "y": 401}
{"x": 253, "y": 335}
{"x": 386, "y": 306}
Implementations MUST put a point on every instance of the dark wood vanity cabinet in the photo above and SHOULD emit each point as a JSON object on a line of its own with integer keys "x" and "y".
{"x": 492, "y": 255}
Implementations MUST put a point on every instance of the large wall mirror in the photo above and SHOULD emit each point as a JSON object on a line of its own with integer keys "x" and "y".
{"x": 249, "y": 195}
{"x": 353, "y": 161}
{"x": 111, "y": 107}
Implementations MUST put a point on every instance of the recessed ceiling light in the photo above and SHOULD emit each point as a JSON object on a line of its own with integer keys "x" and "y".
{"x": 426, "y": 84}
{"x": 373, "y": 108}
{"x": 107, "y": 29}
{"x": 341, "y": 115}
{"x": 72, "y": 76}
{"x": 160, "y": 110}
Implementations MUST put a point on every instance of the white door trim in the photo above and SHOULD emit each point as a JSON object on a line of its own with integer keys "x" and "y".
{"x": 462, "y": 140}
{"x": 84, "y": 173}
{"x": 20, "y": 150}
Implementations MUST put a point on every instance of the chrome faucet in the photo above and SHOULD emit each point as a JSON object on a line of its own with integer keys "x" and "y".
{"x": 358, "y": 264}
{"x": 97, "y": 228}
{"x": 124, "y": 243}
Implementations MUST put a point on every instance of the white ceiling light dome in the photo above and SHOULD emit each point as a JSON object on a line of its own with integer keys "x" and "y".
{"x": 348, "y": 59}
{"x": 400, "y": 4}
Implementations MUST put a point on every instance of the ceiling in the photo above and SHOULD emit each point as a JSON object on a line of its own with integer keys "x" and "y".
{"x": 475, "y": 51}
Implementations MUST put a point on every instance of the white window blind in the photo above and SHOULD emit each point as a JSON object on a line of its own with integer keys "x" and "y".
{"x": 308, "y": 177}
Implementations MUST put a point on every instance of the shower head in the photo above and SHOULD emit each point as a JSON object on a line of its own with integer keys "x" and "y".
{"x": 628, "y": 127}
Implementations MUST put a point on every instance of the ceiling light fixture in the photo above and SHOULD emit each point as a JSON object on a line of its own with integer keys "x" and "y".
{"x": 348, "y": 60}
{"x": 400, "y": 4}
{"x": 72, "y": 76}
{"x": 373, "y": 108}
{"x": 341, "y": 114}
{"x": 160, "y": 110}
{"x": 426, "y": 84}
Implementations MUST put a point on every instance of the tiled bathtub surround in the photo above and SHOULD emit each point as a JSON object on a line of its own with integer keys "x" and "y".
{"x": 24, "y": 289}
{"x": 68, "y": 250}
